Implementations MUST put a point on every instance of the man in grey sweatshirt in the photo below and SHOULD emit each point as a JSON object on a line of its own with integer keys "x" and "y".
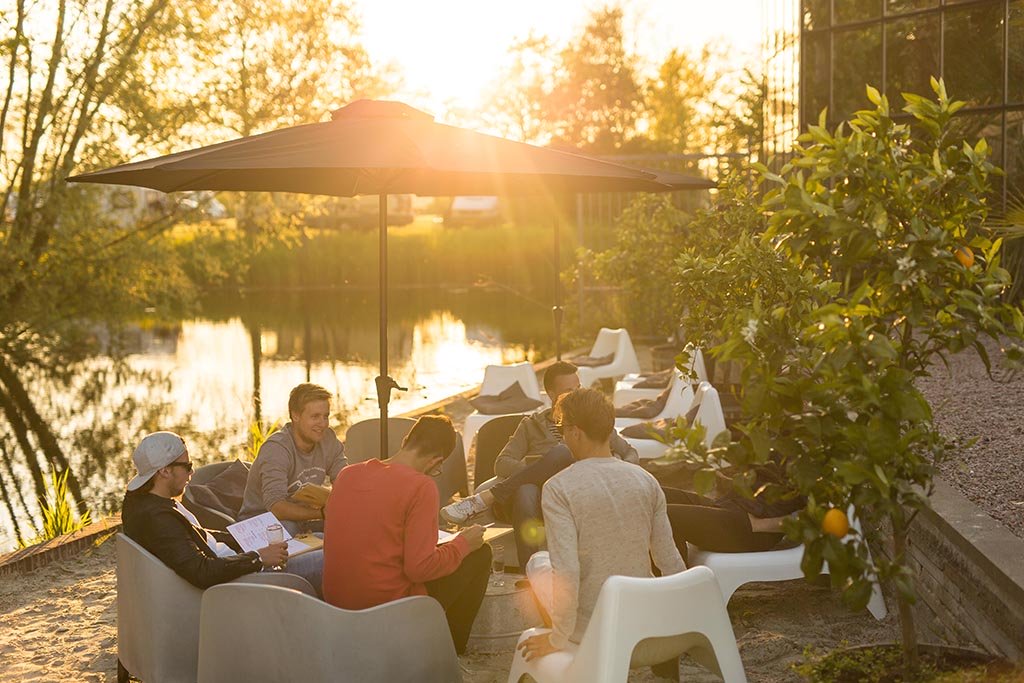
{"x": 604, "y": 517}
{"x": 306, "y": 450}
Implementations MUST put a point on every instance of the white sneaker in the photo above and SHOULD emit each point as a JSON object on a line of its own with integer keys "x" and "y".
{"x": 461, "y": 511}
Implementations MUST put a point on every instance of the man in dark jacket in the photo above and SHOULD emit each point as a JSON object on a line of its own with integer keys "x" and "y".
{"x": 153, "y": 518}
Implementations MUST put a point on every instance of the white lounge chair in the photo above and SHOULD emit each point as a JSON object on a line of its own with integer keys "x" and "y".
{"x": 624, "y": 361}
{"x": 709, "y": 414}
{"x": 735, "y": 569}
{"x": 262, "y": 634}
{"x": 626, "y": 390}
{"x": 497, "y": 378}
{"x": 686, "y": 609}
{"x": 158, "y": 615}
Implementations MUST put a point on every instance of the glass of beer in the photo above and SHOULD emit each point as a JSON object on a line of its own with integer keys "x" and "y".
{"x": 275, "y": 534}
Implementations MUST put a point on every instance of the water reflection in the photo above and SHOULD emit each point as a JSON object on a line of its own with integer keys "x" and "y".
{"x": 200, "y": 377}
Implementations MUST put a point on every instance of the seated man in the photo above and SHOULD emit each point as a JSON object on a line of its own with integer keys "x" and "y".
{"x": 516, "y": 497}
{"x": 306, "y": 450}
{"x": 381, "y": 541}
{"x": 603, "y": 517}
{"x": 153, "y": 518}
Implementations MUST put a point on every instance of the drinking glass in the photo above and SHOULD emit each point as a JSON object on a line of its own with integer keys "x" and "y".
{"x": 498, "y": 569}
{"x": 275, "y": 534}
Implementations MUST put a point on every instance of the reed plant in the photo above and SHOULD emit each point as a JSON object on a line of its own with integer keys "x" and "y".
{"x": 259, "y": 432}
{"x": 59, "y": 514}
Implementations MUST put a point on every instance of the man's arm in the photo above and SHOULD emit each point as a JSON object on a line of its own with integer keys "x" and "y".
{"x": 175, "y": 546}
{"x": 423, "y": 559}
{"x": 565, "y": 563}
{"x": 510, "y": 459}
{"x": 273, "y": 473}
{"x": 663, "y": 547}
{"x": 622, "y": 450}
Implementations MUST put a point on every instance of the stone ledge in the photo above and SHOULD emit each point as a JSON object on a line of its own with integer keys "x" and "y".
{"x": 42, "y": 554}
{"x": 989, "y": 545}
{"x": 971, "y": 578}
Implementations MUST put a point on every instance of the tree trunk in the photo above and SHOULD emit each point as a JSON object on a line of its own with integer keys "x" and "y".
{"x": 908, "y": 629}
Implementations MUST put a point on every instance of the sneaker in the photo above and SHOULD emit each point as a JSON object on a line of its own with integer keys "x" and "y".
{"x": 461, "y": 511}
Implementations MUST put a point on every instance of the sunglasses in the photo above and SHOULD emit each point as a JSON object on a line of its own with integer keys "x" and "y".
{"x": 186, "y": 465}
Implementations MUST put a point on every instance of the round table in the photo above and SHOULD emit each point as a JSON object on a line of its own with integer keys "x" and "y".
{"x": 505, "y": 613}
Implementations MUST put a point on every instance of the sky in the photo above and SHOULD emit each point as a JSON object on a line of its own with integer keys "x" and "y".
{"x": 450, "y": 51}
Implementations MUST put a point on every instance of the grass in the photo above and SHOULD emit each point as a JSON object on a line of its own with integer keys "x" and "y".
{"x": 59, "y": 515}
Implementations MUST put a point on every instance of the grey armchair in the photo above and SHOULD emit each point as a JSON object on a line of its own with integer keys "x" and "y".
{"x": 266, "y": 634}
{"x": 158, "y": 615}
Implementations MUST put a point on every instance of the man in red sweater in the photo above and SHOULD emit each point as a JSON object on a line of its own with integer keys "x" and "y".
{"x": 380, "y": 534}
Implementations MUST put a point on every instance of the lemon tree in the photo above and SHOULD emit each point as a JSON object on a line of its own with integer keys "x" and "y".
{"x": 864, "y": 263}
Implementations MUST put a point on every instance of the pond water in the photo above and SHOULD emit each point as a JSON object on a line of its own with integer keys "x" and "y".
{"x": 208, "y": 377}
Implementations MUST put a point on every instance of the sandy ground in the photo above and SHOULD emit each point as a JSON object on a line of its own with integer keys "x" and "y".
{"x": 59, "y": 623}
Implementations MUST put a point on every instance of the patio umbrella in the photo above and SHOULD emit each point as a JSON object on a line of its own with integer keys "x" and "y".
{"x": 379, "y": 147}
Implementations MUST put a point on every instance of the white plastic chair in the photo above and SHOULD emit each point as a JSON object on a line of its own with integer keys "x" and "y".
{"x": 709, "y": 414}
{"x": 265, "y": 634}
{"x": 626, "y": 390}
{"x": 687, "y": 605}
{"x": 497, "y": 378}
{"x": 679, "y": 401}
{"x": 158, "y": 615}
{"x": 615, "y": 342}
{"x": 735, "y": 569}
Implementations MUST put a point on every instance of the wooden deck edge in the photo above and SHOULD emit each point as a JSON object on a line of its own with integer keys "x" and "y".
{"x": 42, "y": 554}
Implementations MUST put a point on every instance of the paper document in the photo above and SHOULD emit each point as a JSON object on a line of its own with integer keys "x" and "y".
{"x": 491, "y": 533}
{"x": 304, "y": 544}
{"x": 251, "y": 533}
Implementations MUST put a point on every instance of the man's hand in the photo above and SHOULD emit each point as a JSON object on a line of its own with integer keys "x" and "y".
{"x": 474, "y": 536}
{"x": 537, "y": 646}
{"x": 274, "y": 555}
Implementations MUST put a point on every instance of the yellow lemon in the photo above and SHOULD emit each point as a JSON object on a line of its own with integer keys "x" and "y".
{"x": 965, "y": 256}
{"x": 835, "y": 523}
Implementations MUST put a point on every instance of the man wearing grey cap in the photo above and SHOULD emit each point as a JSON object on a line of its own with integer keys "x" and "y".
{"x": 153, "y": 518}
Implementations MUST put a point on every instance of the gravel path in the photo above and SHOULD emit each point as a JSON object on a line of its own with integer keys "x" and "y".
{"x": 986, "y": 417}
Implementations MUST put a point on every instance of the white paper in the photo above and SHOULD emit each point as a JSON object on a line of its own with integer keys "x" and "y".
{"x": 251, "y": 533}
{"x": 444, "y": 536}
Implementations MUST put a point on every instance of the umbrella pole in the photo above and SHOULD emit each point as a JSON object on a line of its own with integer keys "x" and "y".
{"x": 383, "y": 385}
{"x": 556, "y": 310}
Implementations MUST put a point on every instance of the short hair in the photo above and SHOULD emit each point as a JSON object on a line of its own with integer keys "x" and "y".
{"x": 431, "y": 434}
{"x": 305, "y": 393}
{"x": 588, "y": 409}
{"x": 555, "y": 370}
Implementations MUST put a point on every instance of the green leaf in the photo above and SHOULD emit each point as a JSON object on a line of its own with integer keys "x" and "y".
{"x": 704, "y": 480}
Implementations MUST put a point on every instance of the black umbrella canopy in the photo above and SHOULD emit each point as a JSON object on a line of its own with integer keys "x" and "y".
{"x": 378, "y": 147}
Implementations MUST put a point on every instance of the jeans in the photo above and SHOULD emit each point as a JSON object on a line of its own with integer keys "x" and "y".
{"x": 461, "y": 592}
{"x": 518, "y": 499}
{"x": 309, "y": 566}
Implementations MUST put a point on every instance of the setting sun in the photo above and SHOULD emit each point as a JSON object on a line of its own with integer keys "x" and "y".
{"x": 450, "y": 54}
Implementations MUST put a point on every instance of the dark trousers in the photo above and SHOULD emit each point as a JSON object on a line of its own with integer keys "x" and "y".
{"x": 713, "y": 526}
{"x": 461, "y": 592}
{"x": 517, "y": 499}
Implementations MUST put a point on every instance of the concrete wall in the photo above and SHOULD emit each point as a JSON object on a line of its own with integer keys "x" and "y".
{"x": 971, "y": 577}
